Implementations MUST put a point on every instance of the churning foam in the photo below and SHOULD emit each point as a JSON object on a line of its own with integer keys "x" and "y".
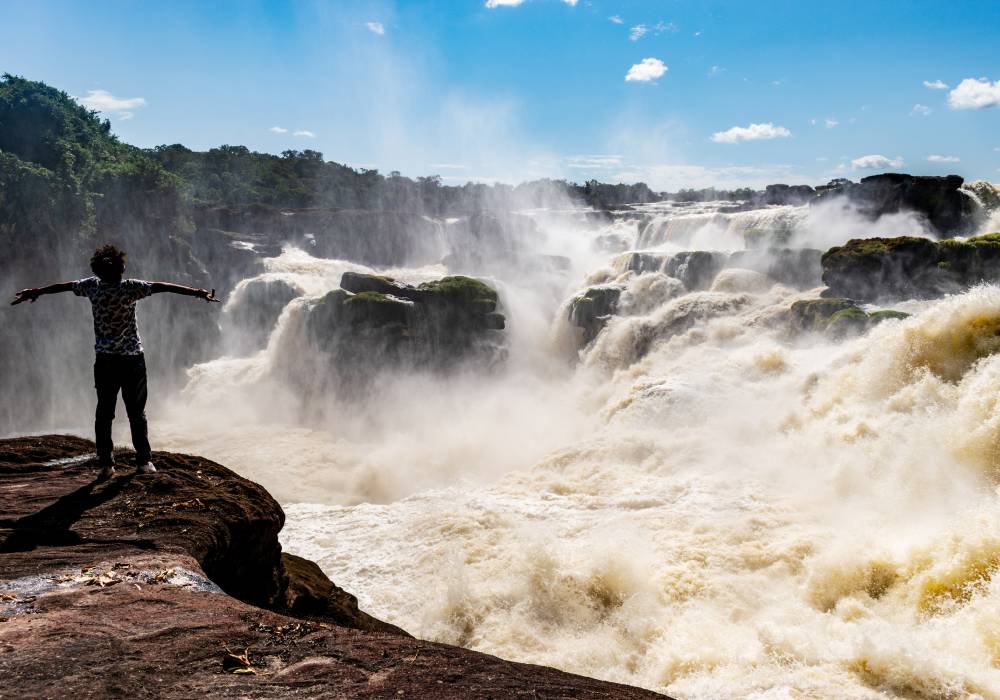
{"x": 701, "y": 505}
{"x": 751, "y": 518}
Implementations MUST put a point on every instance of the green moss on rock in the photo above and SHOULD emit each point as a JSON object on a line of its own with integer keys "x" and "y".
{"x": 910, "y": 267}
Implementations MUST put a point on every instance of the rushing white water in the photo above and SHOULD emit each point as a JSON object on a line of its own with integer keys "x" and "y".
{"x": 703, "y": 504}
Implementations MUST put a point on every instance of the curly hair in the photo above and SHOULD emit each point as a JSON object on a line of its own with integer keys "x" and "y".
{"x": 108, "y": 263}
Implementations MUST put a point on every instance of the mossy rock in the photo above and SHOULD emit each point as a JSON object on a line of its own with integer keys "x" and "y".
{"x": 849, "y": 321}
{"x": 591, "y": 310}
{"x": 460, "y": 288}
{"x": 886, "y": 315}
{"x": 372, "y": 308}
{"x": 816, "y": 314}
{"x": 908, "y": 267}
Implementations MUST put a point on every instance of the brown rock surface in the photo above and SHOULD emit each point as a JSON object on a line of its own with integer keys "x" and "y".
{"x": 163, "y": 585}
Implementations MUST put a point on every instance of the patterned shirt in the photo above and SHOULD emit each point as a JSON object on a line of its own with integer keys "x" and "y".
{"x": 115, "y": 331}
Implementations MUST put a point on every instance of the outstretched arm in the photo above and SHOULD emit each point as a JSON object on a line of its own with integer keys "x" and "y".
{"x": 32, "y": 294}
{"x": 160, "y": 287}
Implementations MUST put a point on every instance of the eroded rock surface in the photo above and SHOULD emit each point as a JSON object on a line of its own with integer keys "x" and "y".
{"x": 948, "y": 210}
{"x": 871, "y": 269}
{"x": 374, "y": 323}
{"x": 174, "y": 585}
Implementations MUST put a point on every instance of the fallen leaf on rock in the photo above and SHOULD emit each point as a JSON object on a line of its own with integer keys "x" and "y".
{"x": 7, "y": 596}
{"x": 104, "y": 580}
{"x": 189, "y": 505}
{"x": 164, "y": 576}
{"x": 237, "y": 663}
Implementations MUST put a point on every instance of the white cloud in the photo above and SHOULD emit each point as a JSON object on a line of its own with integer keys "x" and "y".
{"x": 641, "y": 30}
{"x": 616, "y": 19}
{"x": 831, "y": 122}
{"x": 975, "y": 94}
{"x": 715, "y": 70}
{"x": 104, "y": 101}
{"x": 754, "y": 132}
{"x": 125, "y": 116}
{"x": 922, "y": 110}
{"x": 571, "y": 3}
{"x": 278, "y": 130}
{"x": 936, "y": 84}
{"x": 503, "y": 3}
{"x": 944, "y": 159}
{"x": 376, "y": 28}
{"x": 447, "y": 166}
{"x": 697, "y": 33}
{"x": 303, "y": 132}
{"x": 813, "y": 121}
{"x": 594, "y": 162}
{"x": 649, "y": 69}
{"x": 876, "y": 162}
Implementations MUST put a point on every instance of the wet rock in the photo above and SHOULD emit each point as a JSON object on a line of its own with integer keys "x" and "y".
{"x": 173, "y": 585}
{"x": 796, "y": 267}
{"x": 645, "y": 262}
{"x": 375, "y": 323}
{"x": 696, "y": 269}
{"x": 836, "y": 317}
{"x": 788, "y": 194}
{"x": 939, "y": 200}
{"x": 591, "y": 310}
{"x": 908, "y": 267}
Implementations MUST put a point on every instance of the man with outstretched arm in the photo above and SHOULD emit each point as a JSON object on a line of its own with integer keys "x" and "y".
{"x": 120, "y": 364}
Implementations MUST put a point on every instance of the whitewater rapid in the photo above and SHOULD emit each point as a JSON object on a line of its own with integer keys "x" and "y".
{"x": 726, "y": 511}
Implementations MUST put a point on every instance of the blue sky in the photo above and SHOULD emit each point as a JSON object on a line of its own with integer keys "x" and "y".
{"x": 722, "y": 93}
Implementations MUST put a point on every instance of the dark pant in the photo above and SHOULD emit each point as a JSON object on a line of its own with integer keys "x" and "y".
{"x": 128, "y": 374}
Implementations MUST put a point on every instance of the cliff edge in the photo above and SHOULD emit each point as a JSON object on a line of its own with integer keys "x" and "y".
{"x": 174, "y": 585}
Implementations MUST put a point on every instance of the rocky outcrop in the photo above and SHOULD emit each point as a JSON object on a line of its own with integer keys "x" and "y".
{"x": 173, "y": 585}
{"x": 788, "y": 194}
{"x": 375, "y": 323}
{"x": 908, "y": 267}
{"x": 939, "y": 200}
{"x": 836, "y": 317}
{"x": 206, "y": 518}
{"x": 591, "y": 310}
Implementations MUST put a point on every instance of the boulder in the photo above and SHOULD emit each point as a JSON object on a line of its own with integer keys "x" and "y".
{"x": 375, "y": 323}
{"x": 939, "y": 200}
{"x": 836, "y": 317}
{"x": 591, "y": 310}
{"x": 909, "y": 267}
{"x": 696, "y": 269}
{"x": 644, "y": 262}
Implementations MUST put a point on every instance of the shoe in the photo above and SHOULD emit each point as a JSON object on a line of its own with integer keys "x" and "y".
{"x": 106, "y": 473}
{"x": 147, "y": 468}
